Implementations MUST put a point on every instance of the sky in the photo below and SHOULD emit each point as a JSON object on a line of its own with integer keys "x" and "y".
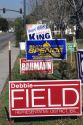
{"x": 14, "y": 5}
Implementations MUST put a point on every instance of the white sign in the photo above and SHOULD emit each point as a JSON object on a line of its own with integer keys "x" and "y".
{"x": 22, "y": 45}
{"x": 38, "y": 32}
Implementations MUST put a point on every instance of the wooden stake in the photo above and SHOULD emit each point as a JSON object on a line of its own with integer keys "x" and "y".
{"x": 9, "y": 60}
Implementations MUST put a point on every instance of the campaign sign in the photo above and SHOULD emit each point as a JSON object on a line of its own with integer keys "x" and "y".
{"x": 80, "y": 64}
{"x": 45, "y": 98}
{"x": 35, "y": 27}
{"x": 38, "y": 32}
{"x": 46, "y": 49}
{"x": 70, "y": 47}
{"x": 22, "y": 46}
{"x": 27, "y": 66}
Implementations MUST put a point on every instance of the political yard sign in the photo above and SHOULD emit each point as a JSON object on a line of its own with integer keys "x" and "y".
{"x": 80, "y": 64}
{"x": 44, "y": 66}
{"x": 45, "y": 98}
{"x": 46, "y": 49}
{"x": 38, "y": 32}
{"x": 70, "y": 47}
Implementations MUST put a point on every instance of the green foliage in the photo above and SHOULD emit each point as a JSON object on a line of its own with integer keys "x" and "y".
{"x": 69, "y": 37}
{"x": 11, "y": 24}
{"x": 80, "y": 40}
{"x": 58, "y": 36}
{"x": 56, "y": 75}
{"x": 19, "y": 31}
{"x": 31, "y": 19}
{"x": 16, "y": 71}
{"x": 81, "y": 33}
{"x": 4, "y": 24}
{"x": 64, "y": 70}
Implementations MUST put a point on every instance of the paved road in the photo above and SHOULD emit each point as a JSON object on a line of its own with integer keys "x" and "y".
{"x": 4, "y": 62}
{"x": 4, "y": 38}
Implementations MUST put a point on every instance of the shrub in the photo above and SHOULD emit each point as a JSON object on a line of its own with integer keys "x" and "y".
{"x": 19, "y": 31}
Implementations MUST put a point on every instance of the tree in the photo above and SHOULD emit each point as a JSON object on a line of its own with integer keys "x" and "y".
{"x": 57, "y": 12}
{"x": 11, "y": 24}
{"x": 4, "y": 24}
{"x": 76, "y": 6}
{"x": 19, "y": 31}
{"x": 31, "y": 18}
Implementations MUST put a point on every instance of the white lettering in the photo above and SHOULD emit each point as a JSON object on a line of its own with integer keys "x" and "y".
{"x": 16, "y": 98}
{"x": 30, "y": 66}
{"x": 64, "y": 96}
{"x": 34, "y": 98}
{"x": 20, "y": 85}
{"x": 27, "y": 98}
{"x": 23, "y": 66}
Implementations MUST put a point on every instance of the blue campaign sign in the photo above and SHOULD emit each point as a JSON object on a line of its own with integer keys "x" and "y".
{"x": 80, "y": 64}
{"x": 46, "y": 49}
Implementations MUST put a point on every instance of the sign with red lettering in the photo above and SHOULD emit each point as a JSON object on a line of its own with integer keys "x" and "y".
{"x": 26, "y": 66}
{"x": 45, "y": 98}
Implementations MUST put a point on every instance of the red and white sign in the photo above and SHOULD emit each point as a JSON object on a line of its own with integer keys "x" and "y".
{"x": 27, "y": 66}
{"x": 45, "y": 98}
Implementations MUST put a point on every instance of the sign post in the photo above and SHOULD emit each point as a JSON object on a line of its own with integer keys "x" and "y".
{"x": 70, "y": 49}
{"x": 9, "y": 60}
{"x": 75, "y": 54}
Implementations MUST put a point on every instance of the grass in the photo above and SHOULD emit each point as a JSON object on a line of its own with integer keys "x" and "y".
{"x": 4, "y": 102}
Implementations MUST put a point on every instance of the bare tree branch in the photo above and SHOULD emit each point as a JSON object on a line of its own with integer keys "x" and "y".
{"x": 80, "y": 7}
{"x": 74, "y": 5}
{"x": 70, "y": 4}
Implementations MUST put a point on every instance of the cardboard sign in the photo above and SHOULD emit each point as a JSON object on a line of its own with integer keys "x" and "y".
{"x": 22, "y": 46}
{"x": 45, "y": 98}
{"x": 38, "y": 32}
{"x": 70, "y": 47}
{"x": 80, "y": 64}
{"x": 35, "y": 27}
{"x": 27, "y": 66}
{"x": 46, "y": 49}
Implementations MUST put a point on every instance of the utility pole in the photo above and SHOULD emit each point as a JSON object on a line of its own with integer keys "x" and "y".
{"x": 24, "y": 16}
{"x": 37, "y": 10}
